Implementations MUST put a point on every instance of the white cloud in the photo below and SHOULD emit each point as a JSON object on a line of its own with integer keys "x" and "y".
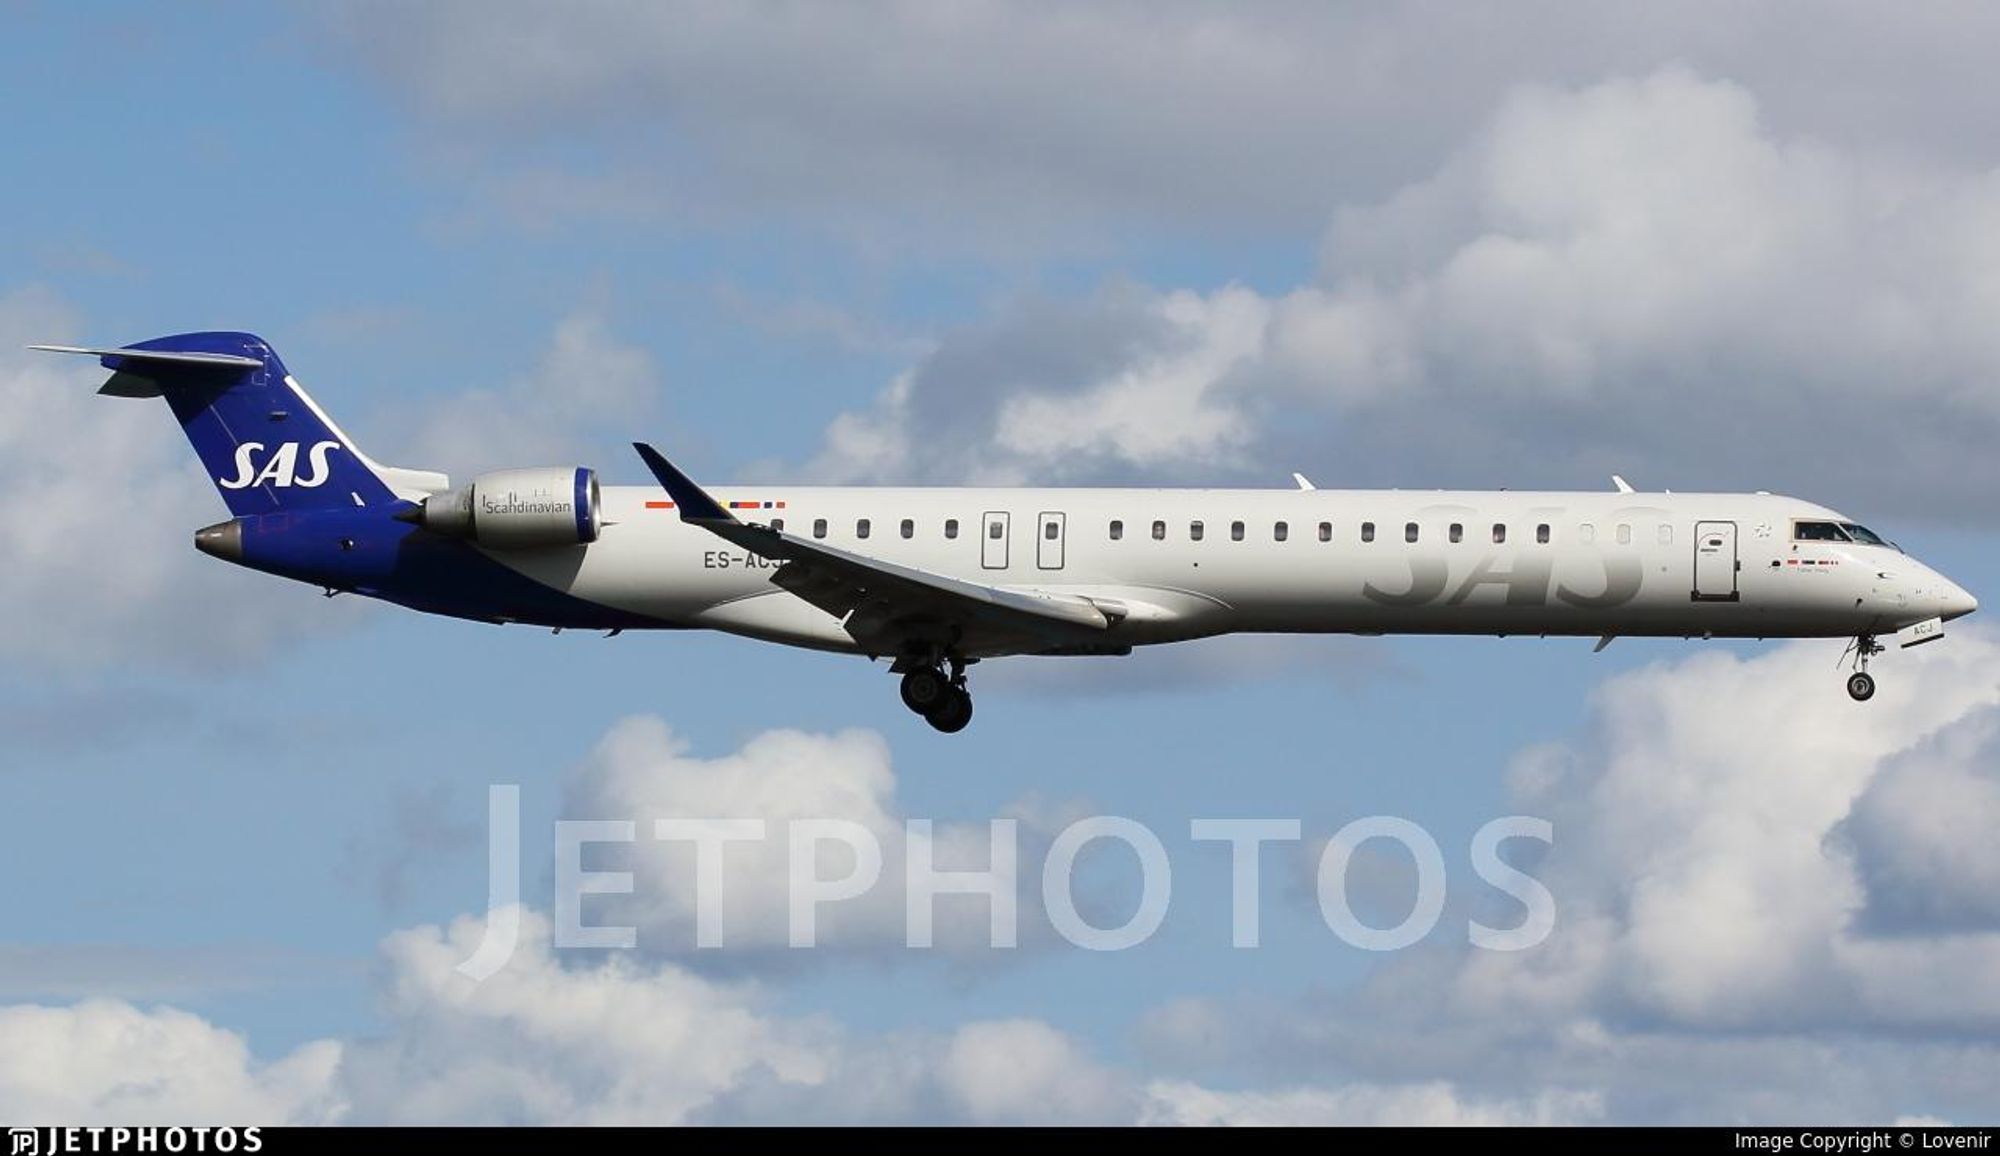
{"x": 1711, "y": 959}
{"x": 587, "y": 388}
{"x": 1024, "y": 1071}
{"x": 1432, "y": 1105}
{"x": 104, "y": 496}
{"x": 642, "y": 772}
{"x": 615, "y": 1041}
{"x": 1727, "y": 831}
{"x": 618, "y": 1043}
{"x": 1052, "y": 128}
{"x": 1156, "y": 413}
{"x": 1156, "y": 400}
{"x": 108, "y": 1062}
{"x": 1640, "y": 275}
{"x": 1693, "y": 866}
{"x": 1348, "y": 663}
{"x": 1922, "y": 834}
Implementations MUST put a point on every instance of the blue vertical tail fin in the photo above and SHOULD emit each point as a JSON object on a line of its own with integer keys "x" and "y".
{"x": 266, "y": 445}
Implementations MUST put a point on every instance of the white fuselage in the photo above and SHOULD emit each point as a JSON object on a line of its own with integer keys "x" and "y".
{"x": 1436, "y": 562}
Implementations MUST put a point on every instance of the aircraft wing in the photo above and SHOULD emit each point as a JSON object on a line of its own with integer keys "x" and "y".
{"x": 886, "y": 605}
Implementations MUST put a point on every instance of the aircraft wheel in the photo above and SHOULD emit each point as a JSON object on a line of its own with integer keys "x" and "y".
{"x": 925, "y": 689}
{"x": 1861, "y": 686}
{"x": 952, "y": 715}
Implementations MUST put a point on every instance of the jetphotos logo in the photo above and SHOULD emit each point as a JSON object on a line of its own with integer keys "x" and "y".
{"x": 815, "y": 885}
{"x": 281, "y": 468}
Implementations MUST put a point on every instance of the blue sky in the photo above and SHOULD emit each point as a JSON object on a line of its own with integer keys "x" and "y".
{"x": 1404, "y": 248}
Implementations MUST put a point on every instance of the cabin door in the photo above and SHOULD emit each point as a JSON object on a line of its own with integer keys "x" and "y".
{"x": 1049, "y": 540}
{"x": 1715, "y": 563}
{"x": 993, "y": 541}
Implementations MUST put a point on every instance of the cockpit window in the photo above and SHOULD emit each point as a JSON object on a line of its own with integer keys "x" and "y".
{"x": 1863, "y": 534}
{"x": 1819, "y": 532}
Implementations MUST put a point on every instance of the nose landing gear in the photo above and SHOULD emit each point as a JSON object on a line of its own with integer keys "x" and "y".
{"x": 1861, "y": 684}
{"x": 942, "y": 699}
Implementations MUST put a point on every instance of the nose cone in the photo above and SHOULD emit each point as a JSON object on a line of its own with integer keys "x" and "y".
{"x": 1956, "y": 602}
{"x": 223, "y": 540}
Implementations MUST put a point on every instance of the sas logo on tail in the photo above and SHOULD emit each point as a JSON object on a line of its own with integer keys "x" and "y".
{"x": 281, "y": 469}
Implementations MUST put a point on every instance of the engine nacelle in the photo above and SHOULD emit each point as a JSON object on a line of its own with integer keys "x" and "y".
{"x": 519, "y": 509}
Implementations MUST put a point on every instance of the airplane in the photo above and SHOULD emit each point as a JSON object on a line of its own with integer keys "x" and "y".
{"x": 938, "y": 579}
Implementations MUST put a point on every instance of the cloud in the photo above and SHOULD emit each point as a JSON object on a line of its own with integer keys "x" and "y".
{"x": 1724, "y": 826}
{"x": 620, "y": 1043}
{"x": 104, "y": 496}
{"x": 1693, "y": 866}
{"x": 1921, "y": 835}
{"x": 109, "y": 1062}
{"x": 1351, "y": 664}
{"x": 1429, "y": 1105}
{"x": 616, "y": 1041}
{"x": 588, "y": 389}
{"x": 1024, "y": 1071}
{"x": 642, "y": 772}
{"x": 127, "y": 971}
{"x": 1126, "y": 382}
{"x": 422, "y": 827}
{"x": 1639, "y": 275}
{"x": 1729, "y": 833}
{"x": 1051, "y": 128}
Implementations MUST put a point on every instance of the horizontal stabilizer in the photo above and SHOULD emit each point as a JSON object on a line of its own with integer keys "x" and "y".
{"x": 115, "y": 358}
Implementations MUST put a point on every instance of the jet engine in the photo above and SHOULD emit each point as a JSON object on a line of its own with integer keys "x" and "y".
{"x": 518, "y": 509}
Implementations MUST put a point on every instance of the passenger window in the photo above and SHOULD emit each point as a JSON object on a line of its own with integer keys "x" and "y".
{"x": 1542, "y": 533}
{"x": 1499, "y": 533}
{"x": 1280, "y": 532}
{"x": 861, "y": 528}
{"x": 996, "y": 530}
{"x": 909, "y": 528}
{"x": 951, "y": 527}
{"x": 1236, "y": 531}
{"x": 778, "y": 524}
{"x": 1159, "y": 531}
{"x": 1050, "y": 529}
{"x": 1409, "y": 531}
{"x": 1457, "y": 533}
{"x": 1666, "y": 534}
{"x": 1117, "y": 529}
{"x": 1326, "y": 531}
{"x": 819, "y": 527}
{"x": 1367, "y": 531}
{"x": 1586, "y": 533}
{"x": 1624, "y": 534}
{"x": 1194, "y": 531}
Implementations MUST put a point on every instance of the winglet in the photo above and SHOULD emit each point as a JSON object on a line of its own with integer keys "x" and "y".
{"x": 693, "y": 502}
{"x": 1624, "y": 487}
{"x": 1303, "y": 483}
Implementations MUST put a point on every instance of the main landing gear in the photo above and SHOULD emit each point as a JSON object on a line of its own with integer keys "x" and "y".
{"x": 1861, "y": 684}
{"x": 942, "y": 699}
